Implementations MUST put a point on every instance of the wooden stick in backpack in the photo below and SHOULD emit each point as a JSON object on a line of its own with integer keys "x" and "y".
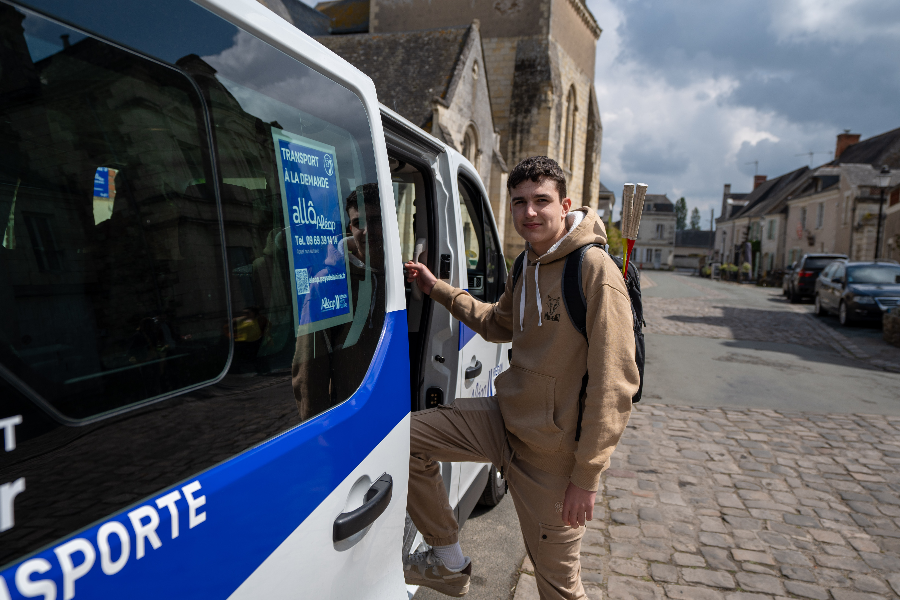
{"x": 633, "y": 197}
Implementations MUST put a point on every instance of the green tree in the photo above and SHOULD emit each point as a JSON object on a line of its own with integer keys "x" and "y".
{"x": 614, "y": 239}
{"x": 695, "y": 219}
{"x": 680, "y": 214}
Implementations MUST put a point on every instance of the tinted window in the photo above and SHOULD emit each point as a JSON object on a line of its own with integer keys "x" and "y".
{"x": 814, "y": 263}
{"x": 482, "y": 252}
{"x": 112, "y": 279}
{"x": 118, "y": 177}
{"x": 874, "y": 274}
{"x": 302, "y": 219}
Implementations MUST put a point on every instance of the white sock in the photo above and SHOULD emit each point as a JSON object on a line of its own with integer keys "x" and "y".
{"x": 451, "y": 555}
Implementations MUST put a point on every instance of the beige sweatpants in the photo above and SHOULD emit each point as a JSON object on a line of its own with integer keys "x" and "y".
{"x": 472, "y": 430}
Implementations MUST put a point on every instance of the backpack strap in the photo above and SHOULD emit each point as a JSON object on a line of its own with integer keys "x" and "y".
{"x": 576, "y": 306}
{"x": 573, "y": 290}
{"x": 517, "y": 267}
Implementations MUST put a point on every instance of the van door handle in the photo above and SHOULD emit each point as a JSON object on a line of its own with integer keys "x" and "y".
{"x": 473, "y": 372}
{"x": 377, "y": 499}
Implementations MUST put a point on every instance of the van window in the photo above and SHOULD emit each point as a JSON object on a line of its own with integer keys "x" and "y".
{"x": 482, "y": 251}
{"x": 302, "y": 218}
{"x": 111, "y": 278}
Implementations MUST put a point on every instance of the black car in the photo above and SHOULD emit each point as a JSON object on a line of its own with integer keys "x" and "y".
{"x": 858, "y": 291}
{"x": 802, "y": 283}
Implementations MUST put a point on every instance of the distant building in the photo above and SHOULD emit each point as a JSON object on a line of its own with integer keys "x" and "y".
{"x": 831, "y": 208}
{"x": 606, "y": 200}
{"x": 538, "y": 62}
{"x": 448, "y": 96}
{"x": 890, "y": 245}
{"x": 692, "y": 247}
{"x": 655, "y": 245}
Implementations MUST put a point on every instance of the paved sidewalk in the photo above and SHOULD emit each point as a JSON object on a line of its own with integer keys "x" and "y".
{"x": 746, "y": 504}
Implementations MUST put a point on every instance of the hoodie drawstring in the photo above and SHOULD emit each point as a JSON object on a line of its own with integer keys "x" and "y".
{"x": 577, "y": 217}
{"x": 522, "y": 306}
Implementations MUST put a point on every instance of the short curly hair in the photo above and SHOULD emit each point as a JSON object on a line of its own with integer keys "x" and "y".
{"x": 538, "y": 168}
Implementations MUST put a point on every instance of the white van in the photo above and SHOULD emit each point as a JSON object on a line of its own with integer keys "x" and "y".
{"x": 208, "y": 353}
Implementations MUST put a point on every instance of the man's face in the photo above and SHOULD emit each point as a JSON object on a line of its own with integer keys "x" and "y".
{"x": 538, "y": 214}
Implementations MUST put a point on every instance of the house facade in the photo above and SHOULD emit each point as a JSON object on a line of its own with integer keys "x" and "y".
{"x": 655, "y": 245}
{"x": 692, "y": 248}
{"x": 890, "y": 247}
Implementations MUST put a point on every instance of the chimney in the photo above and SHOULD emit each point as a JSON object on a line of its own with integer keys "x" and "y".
{"x": 758, "y": 180}
{"x": 725, "y": 193}
{"x": 844, "y": 141}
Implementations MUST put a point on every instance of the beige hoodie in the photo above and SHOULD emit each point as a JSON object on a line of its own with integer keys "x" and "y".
{"x": 538, "y": 394}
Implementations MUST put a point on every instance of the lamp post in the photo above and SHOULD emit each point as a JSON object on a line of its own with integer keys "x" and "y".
{"x": 884, "y": 180}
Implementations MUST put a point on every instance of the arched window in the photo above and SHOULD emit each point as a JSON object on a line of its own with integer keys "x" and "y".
{"x": 470, "y": 144}
{"x": 568, "y": 150}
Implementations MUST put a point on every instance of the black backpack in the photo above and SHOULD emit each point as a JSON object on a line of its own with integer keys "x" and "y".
{"x": 576, "y": 306}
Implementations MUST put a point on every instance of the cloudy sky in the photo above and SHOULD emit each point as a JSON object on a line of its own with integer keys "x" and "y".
{"x": 692, "y": 92}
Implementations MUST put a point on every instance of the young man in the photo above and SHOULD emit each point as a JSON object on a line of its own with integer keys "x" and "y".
{"x": 528, "y": 429}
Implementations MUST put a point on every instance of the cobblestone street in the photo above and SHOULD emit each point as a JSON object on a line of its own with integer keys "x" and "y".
{"x": 739, "y": 500}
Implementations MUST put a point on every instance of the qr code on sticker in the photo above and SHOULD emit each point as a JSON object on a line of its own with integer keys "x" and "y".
{"x": 302, "y": 281}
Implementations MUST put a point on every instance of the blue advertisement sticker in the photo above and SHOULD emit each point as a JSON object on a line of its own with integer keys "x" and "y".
{"x": 101, "y": 182}
{"x": 315, "y": 219}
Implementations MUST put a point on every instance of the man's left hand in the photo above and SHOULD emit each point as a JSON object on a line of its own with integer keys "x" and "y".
{"x": 578, "y": 506}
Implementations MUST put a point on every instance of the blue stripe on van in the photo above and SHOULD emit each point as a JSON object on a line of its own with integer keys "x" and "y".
{"x": 254, "y": 500}
{"x": 465, "y": 334}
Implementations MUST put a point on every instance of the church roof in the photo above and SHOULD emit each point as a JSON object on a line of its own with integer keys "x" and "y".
{"x": 409, "y": 69}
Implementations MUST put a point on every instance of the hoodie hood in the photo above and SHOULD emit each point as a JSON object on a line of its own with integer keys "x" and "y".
{"x": 583, "y": 227}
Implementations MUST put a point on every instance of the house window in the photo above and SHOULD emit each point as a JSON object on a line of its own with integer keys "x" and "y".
{"x": 803, "y": 217}
{"x": 772, "y": 227}
{"x": 568, "y": 153}
{"x": 648, "y": 255}
{"x": 820, "y": 215}
{"x": 660, "y": 231}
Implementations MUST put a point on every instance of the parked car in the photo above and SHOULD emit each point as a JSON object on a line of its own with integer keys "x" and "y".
{"x": 786, "y": 280}
{"x": 802, "y": 280}
{"x": 858, "y": 291}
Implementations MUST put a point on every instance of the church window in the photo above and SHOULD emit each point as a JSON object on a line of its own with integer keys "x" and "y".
{"x": 568, "y": 153}
{"x": 470, "y": 144}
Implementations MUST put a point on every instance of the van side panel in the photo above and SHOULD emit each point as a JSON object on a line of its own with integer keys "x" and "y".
{"x": 233, "y": 516}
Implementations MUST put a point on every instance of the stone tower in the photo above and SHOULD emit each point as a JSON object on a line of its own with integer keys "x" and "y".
{"x": 539, "y": 58}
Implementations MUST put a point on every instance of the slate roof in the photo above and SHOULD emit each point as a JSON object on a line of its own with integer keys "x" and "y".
{"x": 880, "y": 150}
{"x": 694, "y": 238}
{"x": 770, "y": 196}
{"x": 409, "y": 69}
{"x": 658, "y": 203}
{"x": 604, "y": 189}
{"x": 864, "y": 175}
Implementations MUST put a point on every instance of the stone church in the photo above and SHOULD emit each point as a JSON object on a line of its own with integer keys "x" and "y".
{"x": 528, "y": 63}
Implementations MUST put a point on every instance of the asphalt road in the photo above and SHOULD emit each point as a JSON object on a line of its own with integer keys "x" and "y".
{"x": 695, "y": 370}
